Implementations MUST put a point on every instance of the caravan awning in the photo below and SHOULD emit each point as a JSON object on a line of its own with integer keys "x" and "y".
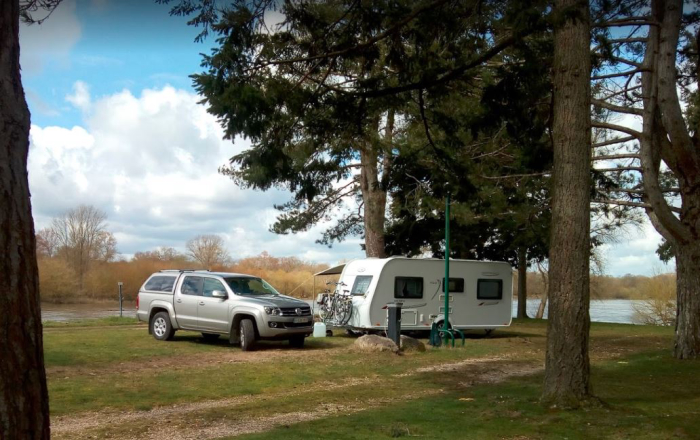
{"x": 337, "y": 270}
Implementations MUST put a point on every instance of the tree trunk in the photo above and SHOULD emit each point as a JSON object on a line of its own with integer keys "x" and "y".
{"x": 522, "y": 283}
{"x": 665, "y": 136}
{"x": 374, "y": 198}
{"x": 24, "y": 407}
{"x": 687, "y": 343}
{"x": 567, "y": 365}
{"x": 545, "y": 283}
{"x": 542, "y": 307}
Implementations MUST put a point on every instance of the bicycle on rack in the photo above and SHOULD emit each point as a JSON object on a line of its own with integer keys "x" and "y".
{"x": 335, "y": 308}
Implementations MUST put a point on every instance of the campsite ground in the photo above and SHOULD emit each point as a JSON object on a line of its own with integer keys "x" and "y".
{"x": 109, "y": 379}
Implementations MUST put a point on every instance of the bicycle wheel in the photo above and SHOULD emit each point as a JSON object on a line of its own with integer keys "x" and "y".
{"x": 348, "y": 314}
{"x": 343, "y": 311}
{"x": 324, "y": 309}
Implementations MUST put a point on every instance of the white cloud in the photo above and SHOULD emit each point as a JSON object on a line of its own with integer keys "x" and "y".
{"x": 150, "y": 162}
{"x": 636, "y": 255}
{"x": 50, "y": 41}
{"x": 80, "y": 98}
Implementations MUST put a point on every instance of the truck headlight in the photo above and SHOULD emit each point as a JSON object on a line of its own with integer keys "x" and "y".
{"x": 273, "y": 311}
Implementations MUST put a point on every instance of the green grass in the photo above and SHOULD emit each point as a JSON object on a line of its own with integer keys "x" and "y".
{"x": 647, "y": 396}
{"x": 133, "y": 387}
{"x": 647, "y": 393}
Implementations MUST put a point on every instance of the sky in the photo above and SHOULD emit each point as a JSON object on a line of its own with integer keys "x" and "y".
{"x": 117, "y": 124}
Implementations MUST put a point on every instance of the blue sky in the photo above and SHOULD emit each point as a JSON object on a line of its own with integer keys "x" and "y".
{"x": 116, "y": 124}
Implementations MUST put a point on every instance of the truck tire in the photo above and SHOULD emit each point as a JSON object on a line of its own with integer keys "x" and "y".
{"x": 247, "y": 335}
{"x": 210, "y": 336}
{"x": 297, "y": 341}
{"x": 161, "y": 327}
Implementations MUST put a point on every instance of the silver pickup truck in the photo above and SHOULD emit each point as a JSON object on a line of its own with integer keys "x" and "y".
{"x": 243, "y": 307}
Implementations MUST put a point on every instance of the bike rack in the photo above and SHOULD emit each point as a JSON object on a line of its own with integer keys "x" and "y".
{"x": 436, "y": 340}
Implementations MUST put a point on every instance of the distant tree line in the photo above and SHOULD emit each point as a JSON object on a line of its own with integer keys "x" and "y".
{"x": 78, "y": 261}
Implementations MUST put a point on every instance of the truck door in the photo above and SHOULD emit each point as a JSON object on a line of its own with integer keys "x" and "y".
{"x": 212, "y": 312}
{"x": 187, "y": 300}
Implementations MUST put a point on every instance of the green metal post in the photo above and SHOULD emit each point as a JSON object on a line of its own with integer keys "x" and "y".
{"x": 447, "y": 266}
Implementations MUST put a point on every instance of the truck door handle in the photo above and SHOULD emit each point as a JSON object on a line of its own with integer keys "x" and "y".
{"x": 179, "y": 300}
{"x": 201, "y": 303}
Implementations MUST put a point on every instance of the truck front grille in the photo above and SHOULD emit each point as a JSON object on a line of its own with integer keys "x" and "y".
{"x": 292, "y": 311}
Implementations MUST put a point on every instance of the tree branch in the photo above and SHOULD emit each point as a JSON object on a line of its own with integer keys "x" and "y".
{"x": 449, "y": 76}
{"x": 620, "y": 169}
{"x": 623, "y": 129}
{"x": 377, "y": 38}
{"x": 616, "y": 108}
{"x": 628, "y": 203}
{"x": 613, "y": 141}
{"x": 617, "y": 156}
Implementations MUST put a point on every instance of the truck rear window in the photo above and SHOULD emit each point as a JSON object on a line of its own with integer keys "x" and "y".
{"x": 160, "y": 284}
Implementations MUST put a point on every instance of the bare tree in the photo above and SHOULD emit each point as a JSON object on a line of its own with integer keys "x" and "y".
{"x": 160, "y": 254}
{"x": 208, "y": 250}
{"x": 543, "y": 270}
{"x": 24, "y": 402}
{"x": 567, "y": 365}
{"x": 46, "y": 243}
{"x": 82, "y": 238}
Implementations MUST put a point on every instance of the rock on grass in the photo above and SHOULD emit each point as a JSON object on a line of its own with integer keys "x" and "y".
{"x": 410, "y": 344}
{"x": 374, "y": 343}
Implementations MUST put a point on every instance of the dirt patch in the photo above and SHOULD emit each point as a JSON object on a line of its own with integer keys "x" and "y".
{"x": 79, "y": 426}
{"x": 454, "y": 366}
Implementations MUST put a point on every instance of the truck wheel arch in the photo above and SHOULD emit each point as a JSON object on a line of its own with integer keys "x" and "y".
{"x": 154, "y": 310}
{"x": 234, "y": 337}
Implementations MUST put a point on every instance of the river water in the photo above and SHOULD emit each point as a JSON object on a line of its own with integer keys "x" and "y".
{"x": 607, "y": 310}
{"x": 602, "y": 310}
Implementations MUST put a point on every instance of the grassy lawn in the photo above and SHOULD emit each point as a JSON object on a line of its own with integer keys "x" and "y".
{"x": 487, "y": 389}
{"x": 649, "y": 396}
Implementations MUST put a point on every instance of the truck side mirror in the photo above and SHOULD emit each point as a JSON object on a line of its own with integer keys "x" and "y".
{"x": 219, "y": 294}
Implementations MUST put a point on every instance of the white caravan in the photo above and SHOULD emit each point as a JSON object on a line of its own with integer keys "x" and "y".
{"x": 481, "y": 292}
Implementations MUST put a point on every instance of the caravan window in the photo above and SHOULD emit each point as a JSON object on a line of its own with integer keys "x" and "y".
{"x": 489, "y": 289}
{"x": 456, "y": 285}
{"x": 361, "y": 284}
{"x": 408, "y": 287}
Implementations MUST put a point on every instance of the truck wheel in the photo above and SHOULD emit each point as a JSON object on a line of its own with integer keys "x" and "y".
{"x": 247, "y": 335}
{"x": 297, "y": 341}
{"x": 161, "y": 327}
{"x": 210, "y": 336}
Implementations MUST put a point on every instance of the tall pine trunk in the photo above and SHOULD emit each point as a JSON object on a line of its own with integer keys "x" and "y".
{"x": 373, "y": 188}
{"x": 522, "y": 283}
{"x": 665, "y": 137}
{"x": 687, "y": 342}
{"x": 567, "y": 365}
{"x": 374, "y": 198}
{"x": 24, "y": 407}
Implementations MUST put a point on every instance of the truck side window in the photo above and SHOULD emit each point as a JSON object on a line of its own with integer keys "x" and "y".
{"x": 489, "y": 289}
{"x": 192, "y": 286}
{"x": 456, "y": 285}
{"x": 361, "y": 284}
{"x": 160, "y": 284}
{"x": 210, "y": 285}
{"x": 408, "y": 287}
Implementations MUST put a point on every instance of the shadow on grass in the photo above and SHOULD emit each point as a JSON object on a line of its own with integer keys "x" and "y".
{"x": 198, "y": 339}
